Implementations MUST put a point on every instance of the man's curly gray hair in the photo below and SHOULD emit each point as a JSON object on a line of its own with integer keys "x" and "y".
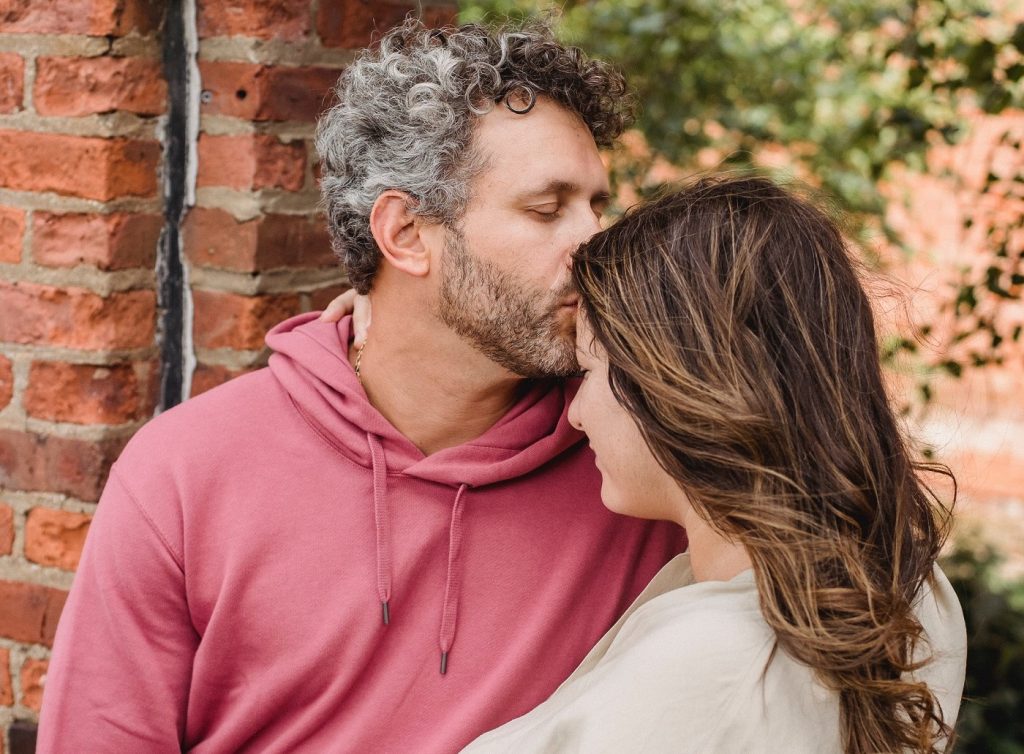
{"x": 405, "y": 115}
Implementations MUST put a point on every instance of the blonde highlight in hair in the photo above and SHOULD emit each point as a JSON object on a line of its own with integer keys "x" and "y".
{"x": 741, "y": 340}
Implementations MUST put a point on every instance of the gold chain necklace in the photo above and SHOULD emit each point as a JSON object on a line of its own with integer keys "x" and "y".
{"x": 359, "y": 361}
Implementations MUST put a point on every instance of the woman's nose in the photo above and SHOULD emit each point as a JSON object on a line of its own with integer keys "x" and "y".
{"x": 574, "y": 413}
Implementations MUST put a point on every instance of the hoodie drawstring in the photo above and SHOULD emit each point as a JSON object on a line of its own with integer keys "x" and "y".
{"x": 453, "y": 581}
{"x": 382, "y": 523}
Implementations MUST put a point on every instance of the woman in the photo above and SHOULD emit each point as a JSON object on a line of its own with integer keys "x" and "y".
{"x": 732, "y": 384}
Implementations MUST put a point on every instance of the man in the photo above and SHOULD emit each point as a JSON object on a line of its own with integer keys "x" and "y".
{"x": 397, "y": 547}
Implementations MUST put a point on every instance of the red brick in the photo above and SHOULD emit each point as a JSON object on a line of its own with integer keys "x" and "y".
{"x": 213, "y": 238}
{"x": 55, "y": 538}
{"x": 75, "y": 317}
{"x": 435, "y": 16}
{"x": 987, "y": 475}
{"x": 298, "y": 93}
{"x": 6, "y": 529}
{"x": 93, "y": 17}
{"x": 83, "y": 86}
{"x": 6, "y": 695}
{"x": 207, "y": 376}
{"x": 294, "y": 241}
{"x": 12, "y": 82}
{"x": 252, "y": 161}
{"x": 111, "y": 242}
{"x": 33, "y": 677}
{"x": 228, "y": 320}
{"x": 85, "y": 166}
{"x": 12, "y": 229}
{"x": 321, "y": 298}
{"x": 66, "y": 465}
{"x": 356, "y": 23}
{"x": 6, "y": 382}
{"x": 232, "y": 88}
{"x": 263, "y": 19}
{"x": 29, "y": 612}
{"x": 261, "y": 93}
{"x": 85, "y": 394}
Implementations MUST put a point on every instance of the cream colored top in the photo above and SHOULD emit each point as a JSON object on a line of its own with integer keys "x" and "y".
{"x": 693, "y": 667}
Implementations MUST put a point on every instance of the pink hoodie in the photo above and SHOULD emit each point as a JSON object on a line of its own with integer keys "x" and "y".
{"x": 274, "y": 568}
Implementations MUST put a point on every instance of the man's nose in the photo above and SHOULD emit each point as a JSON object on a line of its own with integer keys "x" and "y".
{"x": 588, "y": 225}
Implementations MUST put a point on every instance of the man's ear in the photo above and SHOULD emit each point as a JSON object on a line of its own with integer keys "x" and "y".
{"x": 396, "y": 229}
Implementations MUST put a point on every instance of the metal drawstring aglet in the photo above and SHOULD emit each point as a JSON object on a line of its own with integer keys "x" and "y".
{"x": 385, "y": 613}
{"x": 444, "y": 663}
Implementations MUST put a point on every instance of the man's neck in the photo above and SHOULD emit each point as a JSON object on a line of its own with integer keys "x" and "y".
{"x": 431, "y": 385}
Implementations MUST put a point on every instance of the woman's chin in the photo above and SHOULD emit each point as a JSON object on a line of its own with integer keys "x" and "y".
{"x": 635, "y": 506}
{"x": 614, "y": 501}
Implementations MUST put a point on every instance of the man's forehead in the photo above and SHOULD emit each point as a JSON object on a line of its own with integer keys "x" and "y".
{"x": 549, "y": 133}
{"x": 519, "y": 175}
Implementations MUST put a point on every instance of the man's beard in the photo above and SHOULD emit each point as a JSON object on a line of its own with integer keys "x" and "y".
{"x": 513, "y": 326}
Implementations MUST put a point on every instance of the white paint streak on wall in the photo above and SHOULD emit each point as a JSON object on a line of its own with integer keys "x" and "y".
{"x": 194, "y": 90}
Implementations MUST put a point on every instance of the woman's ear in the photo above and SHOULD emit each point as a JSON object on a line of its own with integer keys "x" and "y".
{"x": 396, "y": 229}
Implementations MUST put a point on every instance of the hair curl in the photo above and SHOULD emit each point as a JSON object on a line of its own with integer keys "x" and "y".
{"x": 405, "y": 115}
{"x": 741, "y": 341}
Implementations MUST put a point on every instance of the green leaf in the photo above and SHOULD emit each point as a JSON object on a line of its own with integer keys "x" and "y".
{"x": 953, "y": 368}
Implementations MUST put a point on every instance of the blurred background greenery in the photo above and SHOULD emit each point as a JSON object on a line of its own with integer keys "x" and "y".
{"x": 876, "y": 104}
{"x": 992, "y": 714}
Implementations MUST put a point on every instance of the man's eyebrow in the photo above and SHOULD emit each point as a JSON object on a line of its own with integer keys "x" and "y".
{"x": 557, "y": 187}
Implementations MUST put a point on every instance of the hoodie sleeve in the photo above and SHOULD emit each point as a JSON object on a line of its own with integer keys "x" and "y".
{"x": 119, "y": 676}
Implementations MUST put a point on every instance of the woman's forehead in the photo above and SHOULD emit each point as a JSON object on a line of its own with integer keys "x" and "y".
{"x": 586, "y": 344}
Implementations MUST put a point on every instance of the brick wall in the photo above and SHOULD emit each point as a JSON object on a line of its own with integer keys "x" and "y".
{"x": 83, "y": 187}
{"x": 976, "y": 423}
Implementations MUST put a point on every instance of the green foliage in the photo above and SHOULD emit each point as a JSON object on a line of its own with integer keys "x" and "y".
{"x": 992, "y": 714}
{"x": 979, "y": 291}
{"x": 856, "y": 86}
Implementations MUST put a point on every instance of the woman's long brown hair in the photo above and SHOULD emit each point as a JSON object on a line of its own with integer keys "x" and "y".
{"x": 741, "y": 340}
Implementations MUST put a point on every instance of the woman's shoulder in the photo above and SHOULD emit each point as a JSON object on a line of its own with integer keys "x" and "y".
{"x": 938, "y": 608}
{"x": 944, "y": 649}
{"x": 665, "y": 679}
{"x": 715, "y": 608}
{"x": 712, "y": 632}
{"x": 675, "y": 603}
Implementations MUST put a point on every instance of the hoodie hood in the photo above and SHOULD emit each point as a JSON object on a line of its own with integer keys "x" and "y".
{"x": 310, "y": 361}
